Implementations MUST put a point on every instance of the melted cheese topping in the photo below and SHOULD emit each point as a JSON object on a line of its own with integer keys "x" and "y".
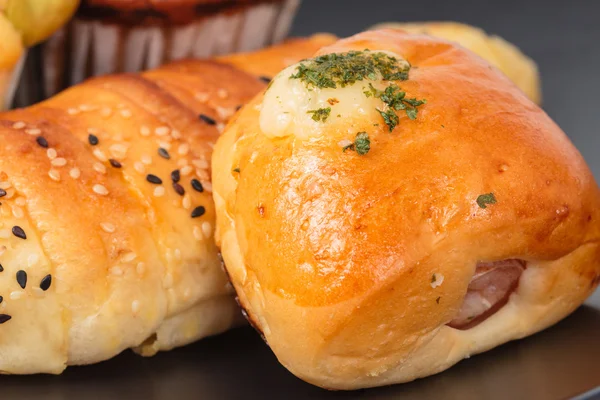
{"x": 287, "y": 104}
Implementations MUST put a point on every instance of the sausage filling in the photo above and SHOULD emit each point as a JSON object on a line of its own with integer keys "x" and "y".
{"x": 489, "y": 290}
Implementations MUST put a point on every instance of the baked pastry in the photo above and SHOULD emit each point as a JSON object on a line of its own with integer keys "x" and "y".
{"x": 503, "y": 55}
{"x": 385, "y": 213}
{"x": 23, "y": 23}
{"x": 111, "y": 36}
{"x": 106, "y": 216}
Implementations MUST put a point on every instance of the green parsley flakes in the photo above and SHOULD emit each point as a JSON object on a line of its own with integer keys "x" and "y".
{"x": 395, "y": 100}
{"x": 485, "y": 199}
{"x": 362, "y": 144}
{"x": 321, "y": 114}
{"x": 343, "y": 69}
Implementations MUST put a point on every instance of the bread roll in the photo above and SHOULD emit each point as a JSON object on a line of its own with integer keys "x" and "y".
{"x": 375, "y": 237}
{"x": 107, "y": 218}
{"x": 503, "y": 55}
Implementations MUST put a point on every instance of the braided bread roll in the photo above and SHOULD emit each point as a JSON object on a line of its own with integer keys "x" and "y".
{"x": 106, "y": 215}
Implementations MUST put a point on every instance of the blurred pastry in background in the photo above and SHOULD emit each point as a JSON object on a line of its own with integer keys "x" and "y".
{"x": 505, "y": 56}
{"x": 110, "y": 36}
{"x": 24, "y": 23}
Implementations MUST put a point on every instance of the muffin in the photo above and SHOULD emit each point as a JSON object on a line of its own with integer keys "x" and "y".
{"x": 24, "y": 23}
{"x": 109, "y": 36}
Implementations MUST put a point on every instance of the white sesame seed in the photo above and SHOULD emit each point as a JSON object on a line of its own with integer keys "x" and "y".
{"x": 106, "y": 112}
{"x": 16, "y": 295}
{"x": 9, "y": 193}
{"x": 101, "y": 190}
{"x": 20, "y": 201}
{"x": 177, "y": 254}
{"x": 75, "y": 173}
{"x": 33, "y": 131}
{"x": 126, "y": 114}
{"x": 99, "y": 154}
{"x": 164, "y": 145}
{"x": 139, "y": 167}
{"x": 4, "y": 233}
{"x": 59, "y": 162}
{"x": 187, "y": 202}
{"x": 5, "y": 185}
{"x": 202, "y": 174}
{"x": 51, "y": 153}
{"x": 32, "y": 260}
{"x": 118, "y": 151}
{"x": 223, "y": 93}
{"x": 129, "y": 257}
{"x": 135, "y": 306}
{"x": 200, "y": 163}
{"x": 144, "y": 131}
{"x": 17, "y": 212}
{"x": 98, "y": 167}
{"x": 19, "y": 125}
{"x": 159, "y": 191}
{"x": 175, "y": 134}
{"x": 185, "y": 171}
{"x": 140, "y": 268}
{"x": 146, "y": 159}
{"x": 87, "y": 107}
{"x": 182, "y": 162}
{"x": 162, "y": 131}
{"x": 72, "y": 111}
{"x": 225, "y": 112}
{"x": 107, "y": 227}
{"x": 207, "y": 229}
{"x": 220, "y": 127}
{"x": 198, "y": 233}
{"x": 183, "y": 149}
{"x": 207, "y": 186}
{"x": 117, "y": 271}
{"x": 54, "y": 175}
{"x": 202, "y": 97}
{"x": 437, "y": 280}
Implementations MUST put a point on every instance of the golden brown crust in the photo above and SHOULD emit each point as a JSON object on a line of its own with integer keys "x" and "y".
{"x": 132, "y": 261}
{"x": 333, "y": 258}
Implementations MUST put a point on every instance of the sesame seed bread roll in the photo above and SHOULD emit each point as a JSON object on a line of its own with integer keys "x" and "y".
{"x": 107, "y": 217}
{"x": 385, "y": 213}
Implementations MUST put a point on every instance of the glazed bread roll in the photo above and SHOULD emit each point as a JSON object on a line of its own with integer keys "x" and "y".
{"x": 386, "y": 213}
{"x": 505, "y": 56}
{"x": 107, "y": 219}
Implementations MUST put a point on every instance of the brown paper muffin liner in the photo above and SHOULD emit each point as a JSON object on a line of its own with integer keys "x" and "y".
{"x": 87, "y": 48}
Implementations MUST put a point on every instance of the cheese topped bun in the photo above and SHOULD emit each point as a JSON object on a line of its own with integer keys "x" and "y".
{"x": 395, "y": 205}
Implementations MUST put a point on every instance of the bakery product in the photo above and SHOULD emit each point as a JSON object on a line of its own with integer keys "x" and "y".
{"x": 112, "y": 36}
{"x": 503, "y": 55}
{"x": 386, "y": 213}
{"x": 107, "y": 219}
{"x": 24, "y": 23}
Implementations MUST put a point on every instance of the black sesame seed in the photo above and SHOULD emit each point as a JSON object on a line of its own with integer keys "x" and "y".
{"x": 4, "y": 318}
{"x": 198, "y": 212}
{"x": 265, "y": 79}
{"x": 153, "y": 179}
{"x": 164, "y": 153}
{"x": 178, "y": 188}
{"x": 19, "y": 232}
{"x": 175, "y": 176}
{"x": 115, "y": 163}
{"x": 197, "y": 185}
{"x": 2, "y": 192}
{"x": 46, "y": 282}
{"x": 1, "y": 268}
{"x": 42, "y": 141}
{"x": 1, "y": 299}
{"x": 93, "y": 139}
{"x": 22, "y": 278}
{"x": 238, "y": 108}
{"x": 207, "y": 119}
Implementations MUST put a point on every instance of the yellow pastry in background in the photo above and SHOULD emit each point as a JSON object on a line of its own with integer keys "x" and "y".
{"x": 521, "y": 69}
{"x": 24, "y": 23}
